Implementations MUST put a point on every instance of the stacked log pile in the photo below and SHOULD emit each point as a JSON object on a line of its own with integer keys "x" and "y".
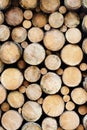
{"x": 43, "y": 65}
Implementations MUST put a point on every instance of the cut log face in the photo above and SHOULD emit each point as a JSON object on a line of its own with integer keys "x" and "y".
{"x": 85, "y": 121}
{"x": 1, "y": 17}
{"x": 76, "y": 96}
{"x": 11, "y": 120}
{"x": 84, "y": 46}
{"x": 3, "y": 94}
{"x": 4, "y": 4}
{"x": 69, "y": 120}
{"x": 10, "y": 82}
{"x": 31, "y": 111}
{"x": 31, "y": 126}
{"x": 54, "y": 40}
{"x": 73, "y": 57}
{"x": 72, "y": 76}
{"x": 50, "y": 83}
{"x": 53, "y": 105}
{"x": 49, "y": 124}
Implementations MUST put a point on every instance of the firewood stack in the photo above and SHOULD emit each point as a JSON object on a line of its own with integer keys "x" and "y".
{"x": 43, "y": 64}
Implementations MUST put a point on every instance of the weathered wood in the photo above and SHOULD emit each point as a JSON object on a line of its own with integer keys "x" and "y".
{"x": 28, "y": 14}
{"x": 62, "y": 9}
{"x": 4, "y": 4}
{"x": 31, "y": 126}
{"x": 27, "y": 24}
{"x": 53, "y": 105}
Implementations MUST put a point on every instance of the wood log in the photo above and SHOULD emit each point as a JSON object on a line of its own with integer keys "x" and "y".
{"x": 34, "y": 92}
{"x": 47, "y": 27}
{"x": 54, "y": 40}
{"x": 34, "y": 54}
{"x": 70, "y": 106}
{"x": 21, "y": 64}
{"x": 14, "y": 16}
{"x": 28, "y": 4}
{"x": 50, "y": 83}
{"x": 40, "y": 101}
{"x": 85, "y": 121}
{"x": 19, "y": 34}
{"x": 4, "y": 32}
{"x": 31, "y": 126}
{"x": 1, "y": 17}
{"x": 15, "y": 99}
{"x": 49, "y": 124}
{"x": 39, "y": 20}
{"x": 72, "y": 19}
{"x": 64, "y": 90}
{"x": 80, "y": 127}
{"x": 84, "y": 23}
{"x": 73, "y": 57}
{"x": 66, "y": 98}
{"x": 22, "y": 89}
{"x": 85, "y": 83}
{"x": 14, "y": 52}
{"x": 59, "y": 71}
{"x": 84, "y": 4}
{"x": 72, "y": 80}
{"x": 31, "y": 111}
{"x": 10, "y": 82}
{"x": 5, "y": 106}
{"x": 11, "y": 120}
{"x": 28, "y": 14}
{"x": 84, "y": 45}
{"x": 56, "y": 20}
{"x": 1, "y": 66}
{"x": 69, "y": 120}
{"x": 79, "y": 96}
{"x": 4, "y": 4}
{"x": 24, "y": 44}
{"x": 53, "y": 105}
{"x": 48, "y": 6}
{"x": 63, "y": 28}
{"x": 74, "y": 39}
{"x": 32, "y": 74}
{"x": 35, "y": 34}
{"x": 43, "y": 71}
{"x": 52, "y": 62}
{"x": 27, "y": 24}
{"x": 83, "y": 66}
{"x": 82, "y": 110}
{"x": 73, "y": 4}
{"x": 62, "y": 9}
{"x": 3, "y": 94}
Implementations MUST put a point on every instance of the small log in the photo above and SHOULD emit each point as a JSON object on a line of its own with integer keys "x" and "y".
{"x": 39, "y": 20}
{"x": 19, "y": 34}
{"x": 5, "y": 107}
{"x": 56, "y": 20}
{"x": 83, "y": 66}
{"x": 52, "y": 62}
{"x": 43, "y": 71}
{"x": 62, "y": 9}
{"x": 79, "y": 96}
{"x": 1, "y": 17}
{"x": 85, "y": 83}
{"x": 34, "y": 54}
{"x": 73, "y": 57}
{"x": 84, "y": 4}
{"x": 82, "y": 110}
{"x": 34, "y": 92}
{"x": 72, "y": 76}
{"x": 54, "y": 40}
{"x": 31, "y": 111}
{"x": 4, "y": 32}
{"x": 70, "y": 106}
{"x": 64, "y": 90}
{"x": 21, "y": 64}
{"x": 14, "y": 16}
{"x": 24, "y": 44}
{"x": 73, "y": 4}
{"x": 26, "y": 83}
{"x": 1, "y": 66}
{"x": 22, "y": 89}
{"x": 15, "y": 99}
{"x": 3, "y": 94}
{"x": 84, "y": 45}
{"x": 28, "y": 14}
{"x": 84, "y": 23}
{"x": 35, "y": 34}
{"x": 74, "y": 39}
{"x": 59, "y": 71}
{"x": 47, "y": 27}
{"x": 53, "y": 105}
{"x": 50, "y": 83}
{"x": 9, "y": 81}
{"x": 63, "y": 28}
{"x": 49, "y": 124}
{"x": 85, "y": 121}
{"x": 40, "y": 101}
{"x": 72, "y": 20}
{"x": 19, "y": 110}
{"x": 66, "y": 98}
{"x": 28, "y": 4}
{"x": 32, "y": 74}
{"x": 69, "y": 120}
{"x": 48, "y": 6}
{"x": 59, "y": 128}
{"x": 80, "y": 127}
{"x": 27, "y": 24}
{"x": 11, "y": 120}
{"x": 31, "y": 126}
{"x": 14, "y": 52}
{"x": 4, "y": 4}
